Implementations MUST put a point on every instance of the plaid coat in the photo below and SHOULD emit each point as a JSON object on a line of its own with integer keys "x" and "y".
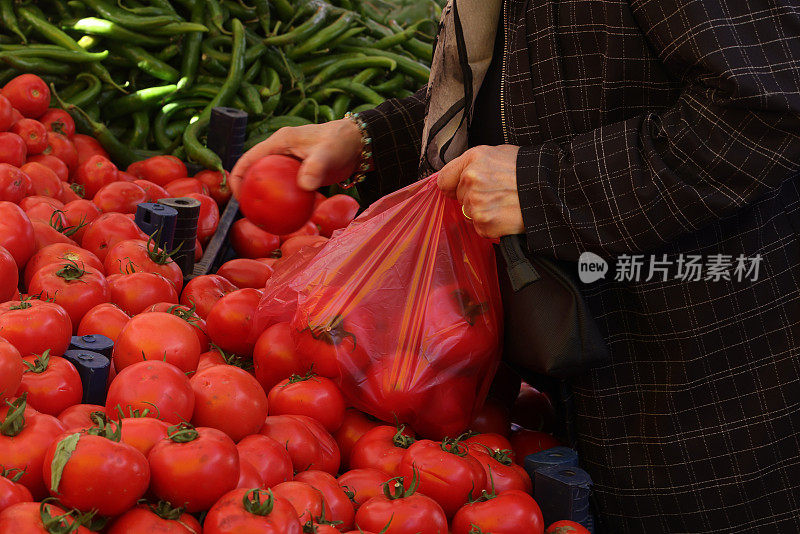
{"x": 663, "y": 127}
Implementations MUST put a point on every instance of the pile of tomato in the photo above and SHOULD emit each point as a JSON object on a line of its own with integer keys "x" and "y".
{"x": 206, "y": 427}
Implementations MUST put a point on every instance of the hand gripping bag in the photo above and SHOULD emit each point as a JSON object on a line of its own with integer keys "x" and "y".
{"x": 401, "y": 308}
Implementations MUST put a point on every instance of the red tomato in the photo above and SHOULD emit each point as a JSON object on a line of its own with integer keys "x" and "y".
{"x": 86, "y": 147}
{"x": 29, "y": 517}
{"x": 217, "y": 183}
{"x": 500, "y": 514}
{"x": 80, "y": 214}
{"x": 25, "y": 449}
{"x": 502, "y": 473}
{"x": 308, "y": 228}
{"x": 6, "y": 113}
{"x": 142, "y": 433}
{"x": 340, "y": 504}
{"x": 68, "y": 193}
{"x": 60, "y": 253}
{"x": 153, "y": 191}
{"x": 52, "y": 163}
{"x": 191, "y": 318}
{"x": 271, "y": 198}
{"x": 525, "y": 442}
{"x": 492, "y": 417}
{"x": 75, "y": 286}
{"x": 16, "y": 233}
{"x": 209, "y": 216}
{"x": 308, "y": 501}
{"x": 360, "y": 485}
{"x": 310, "y": 395}
{"x": 198, "y": 251}
{"x": 491, "y": 441}
{"x": 11, "y": 368}
{"x": 62, "y": 148}
{"x": 245, "y": 272}
{"x": 34, "y": 326}
{"x": 80, "y": 416}
{"x": 308, "y": 443}
{"x": 97, "y": 172}
{"x": 52, "y": 384}
{"x": 12, "y": 493}
{"x": 29, "y": 94}
{"x": 14, "y": 183}
{"x": 533, "y": 410}
{"x": 296, "y": 243}
{"x": 15, "y": 116}
{"x": 566, "y": 527}
{"x": 249, "y": 477}
{"x": 204, "y": 291}
{"x": 108, "y": 230}
{"x": 157, "y": 336}
{"x": 209, "y": 359}
{"x": 334, "y": 213}
{"x": 9, "y": 275}
{"x": 354, "y": 425}
{"x": 447, "y": 473}
{"x": 44, "y": 209}
{"x": 136, "y": 292}
{"x": 12, "y": 149}
{"x": 250, "y": 241}
{"x": 33, "y": 134}
{"x": 160, "y": 170}
{"x": 261, "y": 513}
{"x": 121, "y": 197}
{"x": 161, "y": 519}
{"x": 381, "y": 448}
{"x": 44, "y": 235}
{"x": 105, "y": 319}
{"x": 230, "y": 321}
{"x": 270, "y": 459}
{"x": 119, "y": 473}
{"x": 139, "y": 255}
{"x": 194, "y": 467}
{"x": 223, "y": 390}
{"x": 274, "y": 356}
{"x": 152, "y": 385}
{"x": 59, "y": 121}
{"x": 44, "y": 180}
{"x": 182, "y": 187}
{"x": 406, "y": 512}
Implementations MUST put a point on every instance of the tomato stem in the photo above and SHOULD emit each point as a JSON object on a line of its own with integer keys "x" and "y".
{"x": 39, "y": 365}
{"x": 13, "y": 473}
{"x": 15, "y": 417}
{"x": 401, "y": 440}
{"x": 182, "y": 433}
{"x": 454, "y": 446}
{"x": 71, "y": 272}
{"x": 253, "y": 504}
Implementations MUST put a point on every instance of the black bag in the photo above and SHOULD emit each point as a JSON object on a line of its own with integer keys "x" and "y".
{"x": 548, "y": 329}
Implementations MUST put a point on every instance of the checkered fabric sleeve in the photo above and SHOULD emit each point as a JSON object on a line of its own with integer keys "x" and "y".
{"x": 732, "y": 136}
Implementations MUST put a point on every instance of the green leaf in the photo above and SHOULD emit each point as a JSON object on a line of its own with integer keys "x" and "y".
{"x": 63, "y": 453}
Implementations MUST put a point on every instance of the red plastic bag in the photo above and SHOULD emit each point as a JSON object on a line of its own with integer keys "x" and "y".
{"x": 401, "y": 308}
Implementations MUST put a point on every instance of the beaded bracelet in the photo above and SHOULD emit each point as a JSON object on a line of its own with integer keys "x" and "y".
{"x": 365, "y": 161}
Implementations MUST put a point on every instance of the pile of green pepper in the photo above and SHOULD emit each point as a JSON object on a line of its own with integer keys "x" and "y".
{"x": 143, "y": 75}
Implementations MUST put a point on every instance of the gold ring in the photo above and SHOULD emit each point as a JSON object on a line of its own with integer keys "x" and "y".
{"x": 464, "y": 211}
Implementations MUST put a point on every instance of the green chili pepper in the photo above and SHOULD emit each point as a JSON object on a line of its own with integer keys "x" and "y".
{"x": 251, "y": 98}
{"x": 147, "y": 62}
{"x": 9, "y": 18}
{"x": 394, "y": 83}
{"x": 141, "y": 129}
{"x": 323, "y": 36}
{"x": 57, "y": 53}
{"x": 413, "y": 68}
{"x": 34, "y": 64}
{"x": 106, "y": 28}
{"x": 192, "y": 46}
{"x": 357, "y": 89}
{"x": 263, "y": 14}
{"x": 340, "y": 105}
{"x": 140, "y": 100}
{"x": 303, "y": 31}
{"x": 348, "y": 64}
{"x": 131, "y": 21}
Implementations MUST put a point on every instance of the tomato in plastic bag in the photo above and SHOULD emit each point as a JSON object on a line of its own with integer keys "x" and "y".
{"x": 401, "y": 308}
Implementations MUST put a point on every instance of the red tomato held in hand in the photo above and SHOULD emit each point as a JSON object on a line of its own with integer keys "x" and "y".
{"x": 361, "y": 485}
{"x": 158, "y": 387}
{"x": 161, "y": 518}
{"x": 34, "y": 326}
{"x": 310, "y": 395}
{"x": 271, "y": 198}
{"x": 16, "y": 233}
{"x": 96, "y": 173}
{"x": 381, "y": 448}
{"x": 108, "y": 230}
{"x": 59, "y": 121}
{"x": 340, "y": 504}
{"x": 244, "y": 272}
{"x": 217, "y": 183}
{"x": 160, "y": 170}
{"x": 12, "y": 493}
{"x": 193, "y": 467}
{"x": 252, "y": 510}
{"x": 406, "y": 512}
{"x": 250, "y": 241}
{"x": 9, "y": 275}
{"x": 52, "y": 384}
{"x": 11, "y": 368}
{"x": 230, "y": 321}
{"x": 29, "y": 518}
{"x": 566, "y": 527}
{"x": 104, "y": 319}
{"x": 182, "y": 187}
{"x": 334, "y": 213}
{"x": 74, "y": 286}
{"x": 308, "y": 501}
{"x": 208, "y": 219}
{"x": 15, "y": 184}
{"x": 270, "y": 459}
{"x": 138, "y": 255}
{"x": 500, "y": 514}
{"x": 136, "y": 292}
{"x": 120, "y": 197}
{"x": 29, "y": 94}
{"x": 86, "y": 147}
{"x": 80, "y": 417}
{"x": 12, "y": 149}
{"x": 525, "y": 442}
{"x": 142, "y": 433}
{"x": 119, "y": 474}
{"x": 62, "y": 148}
{"x": 203, "y": 292}
{"x": 33, "y": 134}
{"x": 447, "y": 473}
{"x": 224, "y": 390}
{"x": 157, "y": 336}
{"x": 308, "y": 443}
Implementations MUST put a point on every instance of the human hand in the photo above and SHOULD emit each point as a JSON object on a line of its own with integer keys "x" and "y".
{"x": 484, "y": 179}
{"x": 329, "y": 152}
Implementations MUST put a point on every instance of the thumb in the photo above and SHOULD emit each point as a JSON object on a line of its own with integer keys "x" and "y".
{"x": 314, "y": 169}
{"x": 450, "y": 175}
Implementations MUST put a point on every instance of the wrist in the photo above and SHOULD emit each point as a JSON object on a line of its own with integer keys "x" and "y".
{"x": 365, "y": 162}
